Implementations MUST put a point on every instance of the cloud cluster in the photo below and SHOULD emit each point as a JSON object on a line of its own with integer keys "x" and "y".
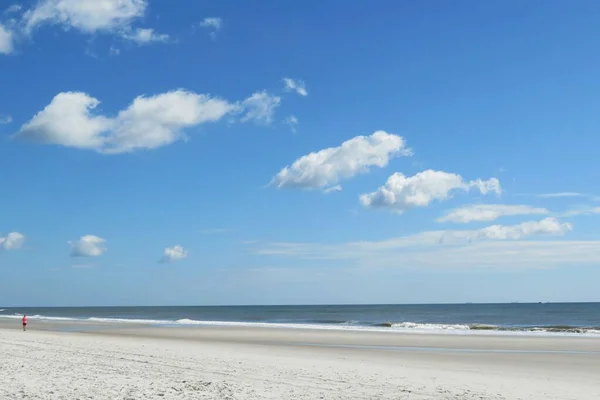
{"x": 148, "y": 122}
{"x": 172, "y": 254}
{"x": 329, "y": 166}
{"x": 421, "y": 240}
{"x": 497, "y": 245}
{"x": 88, "y": 246}
{"x": 12, "y": 241}
{"x": 112, "y": 17}
{"x": 488, "y": 212}
{"x": 89, "y": 16}
{"x": 401, "y": 193}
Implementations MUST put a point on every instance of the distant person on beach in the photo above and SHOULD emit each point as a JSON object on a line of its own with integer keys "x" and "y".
{"x": 24, "y": 322}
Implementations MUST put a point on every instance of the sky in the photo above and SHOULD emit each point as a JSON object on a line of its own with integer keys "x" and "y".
{"x": 298, "y": 152}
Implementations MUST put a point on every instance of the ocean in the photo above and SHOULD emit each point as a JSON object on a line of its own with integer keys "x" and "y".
{"x": 516, "y": 318}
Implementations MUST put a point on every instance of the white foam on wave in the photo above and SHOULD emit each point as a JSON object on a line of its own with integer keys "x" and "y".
{"x": 403, "y": 327}
{"x": 38, "y": 317}
{"x": 431, "y": 327}
{"x": 130, "y": 321}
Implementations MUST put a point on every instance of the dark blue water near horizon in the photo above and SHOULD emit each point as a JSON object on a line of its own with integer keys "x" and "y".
{"x": 517, "y": 317}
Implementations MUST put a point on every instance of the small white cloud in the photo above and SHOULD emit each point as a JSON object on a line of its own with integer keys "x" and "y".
{"x": 488, "y": 212}
{"x": 114, "y": 51}
{"x": 582, "y": 211}
{"x": 143, "y": 36}
{"x": 296, "y": 86}
{"x": 260, "y": 107}
{"x": 401, "y": 193}
{"x": 88, "y": 246}
{"x": 560, "y": 194}
{"x": 5, "y": 119}
{"x": 172, "y": 254}
{"x": 336, "y": 188}
{"x": 148, "y": 122}
{"x": 329, "y": 166}
{"x": 292, "y": 122}
{"x": 212, "y": 23}
{"x": 87, "y": 16}
{"x": 12, "y": 241}
{"x": 6, "y": 40}
{"x": 15, "y": 8}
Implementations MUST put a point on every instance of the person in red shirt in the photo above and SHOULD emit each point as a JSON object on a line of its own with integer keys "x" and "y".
{"x": 24, "y": 322}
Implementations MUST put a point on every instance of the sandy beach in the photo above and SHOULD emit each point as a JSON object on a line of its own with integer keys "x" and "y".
{"x": 62, "y": 361}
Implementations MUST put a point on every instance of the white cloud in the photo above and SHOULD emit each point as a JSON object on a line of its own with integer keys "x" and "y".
{"x": 329, "y": 166}
{"x": 88, "y": 246}
{"x": 151, "y": 122}
{"x": 401, "y": 193}
{"x": 12, "y": 241}
{"x": 211, "y": 22}
{"x": 582, "y": 211}
{"x": 114, "y": 17}
{"x": 172, "y": 254}
{"x": 114, "y": 51}
{"x": 547, "y": 226}
{"x": 144, "y": 36}
{"x": 148, "y": 122}
{"x": 296, "y": 86}
{"x": 336, "y": 188}
{"x": 488, "y": 212}
{"x": 6, "y": 40}
{"x": 68, "y": 121}
{"x": 5, "y": 119}
{"x": 260, "y": 107}
{"x": 291, "y": 121}
{"x": 88, "y": 16}
{"x": 15, "y": 8}
{"x": 560, "y": 194}
{"x": 495, "y": 246}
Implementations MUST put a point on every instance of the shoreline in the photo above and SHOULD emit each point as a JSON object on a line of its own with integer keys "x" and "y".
{"x": 134, "y": 362}
{"x": 475, "y": 330}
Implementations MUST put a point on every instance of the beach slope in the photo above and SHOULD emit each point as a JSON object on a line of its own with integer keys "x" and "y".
{"x": 150, "y": 363}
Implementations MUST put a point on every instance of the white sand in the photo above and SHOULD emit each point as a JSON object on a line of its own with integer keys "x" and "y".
{"x": 222, "y": 363}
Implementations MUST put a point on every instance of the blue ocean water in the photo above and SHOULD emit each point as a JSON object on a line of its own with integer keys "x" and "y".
{"x": 566, "y": 318}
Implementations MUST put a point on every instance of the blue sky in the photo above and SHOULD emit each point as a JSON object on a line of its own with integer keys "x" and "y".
{"x": 298, "y": 152}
